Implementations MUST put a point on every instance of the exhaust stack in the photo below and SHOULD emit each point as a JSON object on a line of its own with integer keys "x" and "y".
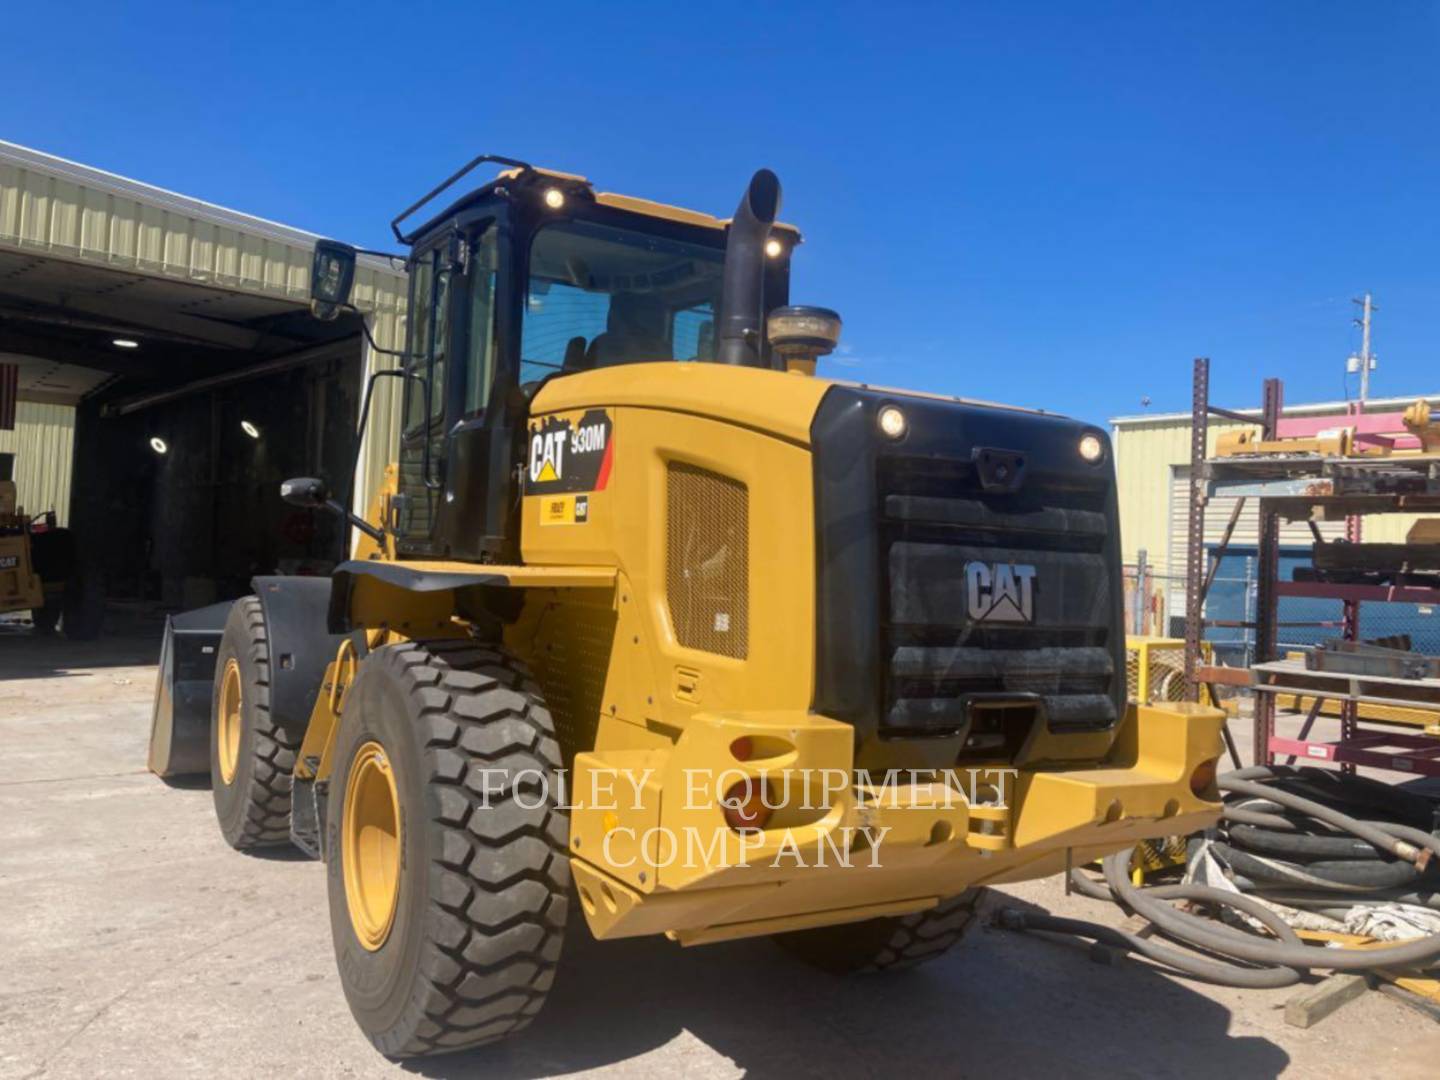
{"x": 739, "y": 322}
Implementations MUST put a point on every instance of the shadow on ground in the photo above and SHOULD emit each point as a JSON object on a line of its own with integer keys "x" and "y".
{"x": 24, "y": 654}
{"x": 1000, "y": 1004}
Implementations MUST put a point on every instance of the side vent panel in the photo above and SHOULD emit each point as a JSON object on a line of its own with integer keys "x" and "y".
{"x": 707, "y": 560}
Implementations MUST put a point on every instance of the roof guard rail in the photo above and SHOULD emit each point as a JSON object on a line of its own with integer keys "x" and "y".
{"x": 405, "y": 238}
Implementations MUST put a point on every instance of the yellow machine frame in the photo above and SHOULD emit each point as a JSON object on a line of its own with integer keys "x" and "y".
{"x": 20, "y": 586}
{"x": 665, "y": 714}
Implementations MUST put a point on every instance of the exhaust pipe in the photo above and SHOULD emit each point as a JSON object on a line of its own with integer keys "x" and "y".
{"x": 740, "y": 314}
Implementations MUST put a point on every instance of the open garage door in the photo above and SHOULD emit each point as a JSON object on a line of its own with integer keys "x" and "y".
{"x": 191, "y": 404}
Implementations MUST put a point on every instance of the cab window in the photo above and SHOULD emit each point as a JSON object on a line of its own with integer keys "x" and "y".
{"x": 418, "y": 337}
{"x": 480, "y": 364}
{"x": 599, "y": 296}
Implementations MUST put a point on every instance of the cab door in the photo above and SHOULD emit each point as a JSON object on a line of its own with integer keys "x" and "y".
{"x": 422, "y": 440}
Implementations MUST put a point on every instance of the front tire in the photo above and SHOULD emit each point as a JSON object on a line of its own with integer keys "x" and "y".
{"x": 446, "y": 848}
{"x": 251, "y": 756}
{"x": 891, "y": 943}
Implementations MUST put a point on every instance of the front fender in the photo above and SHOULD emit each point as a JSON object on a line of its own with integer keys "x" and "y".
{"x": 300, "y": 643}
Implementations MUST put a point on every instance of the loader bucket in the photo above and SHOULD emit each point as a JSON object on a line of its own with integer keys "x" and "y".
{"x": 180, "y": 724}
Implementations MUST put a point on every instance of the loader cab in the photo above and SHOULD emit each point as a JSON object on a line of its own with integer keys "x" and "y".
{"x": 531, "y": 278}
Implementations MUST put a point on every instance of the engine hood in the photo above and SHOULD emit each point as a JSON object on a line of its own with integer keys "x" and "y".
{"x": 757, "y": 398}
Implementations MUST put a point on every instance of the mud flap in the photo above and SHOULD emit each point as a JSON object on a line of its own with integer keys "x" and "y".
{"x": 180, "y": 723}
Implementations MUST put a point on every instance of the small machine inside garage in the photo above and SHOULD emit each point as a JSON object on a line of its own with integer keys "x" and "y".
{"x": 192, "y": 404}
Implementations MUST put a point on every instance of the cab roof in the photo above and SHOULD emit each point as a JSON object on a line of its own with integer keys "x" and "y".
{"x": 532, "y": 174}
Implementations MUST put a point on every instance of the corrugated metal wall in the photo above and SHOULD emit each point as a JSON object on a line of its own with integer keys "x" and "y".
{"x": 1145, "y": 456}
{"x": 43, "y": 443}
{"x": 72, "y": 211}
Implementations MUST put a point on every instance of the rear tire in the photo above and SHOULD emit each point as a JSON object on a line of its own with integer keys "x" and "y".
{"x": 888, "y": 944}
{"x": 459, "y": 944}
{"x": 251, "y": 757}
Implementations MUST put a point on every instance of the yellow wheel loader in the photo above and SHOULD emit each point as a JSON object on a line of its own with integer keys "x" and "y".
{"x": 652, "y": 625}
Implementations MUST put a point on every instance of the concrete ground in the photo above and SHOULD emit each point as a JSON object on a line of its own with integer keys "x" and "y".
{"x": 134, "y": 942}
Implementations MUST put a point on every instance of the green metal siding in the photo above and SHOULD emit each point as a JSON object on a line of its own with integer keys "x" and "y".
{"x": 43, "y": 443}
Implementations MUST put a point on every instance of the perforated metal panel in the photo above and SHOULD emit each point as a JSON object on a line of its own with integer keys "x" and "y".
{"x": 707, "y": 568}
{"x": 571, "y": 659}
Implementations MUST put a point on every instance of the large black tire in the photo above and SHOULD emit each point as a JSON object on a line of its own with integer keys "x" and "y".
{"x": 483, "y": 884}
{"x": 891, "y": 943}
{"x": 252, "y": 804}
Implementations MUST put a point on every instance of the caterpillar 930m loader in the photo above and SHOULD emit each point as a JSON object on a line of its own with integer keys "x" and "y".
{"x": 812, "y": 659}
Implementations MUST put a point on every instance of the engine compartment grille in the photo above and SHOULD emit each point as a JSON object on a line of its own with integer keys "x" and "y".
{"x": 993, "y": 596}
{"x": 707, "y": 567}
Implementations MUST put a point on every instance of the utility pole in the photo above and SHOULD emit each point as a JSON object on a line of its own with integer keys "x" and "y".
{"x": 1366, "y": 309}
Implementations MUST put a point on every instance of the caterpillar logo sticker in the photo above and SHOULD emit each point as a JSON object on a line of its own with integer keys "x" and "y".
{"x": 9, "y": 562}
{"x": 569, "y": 454}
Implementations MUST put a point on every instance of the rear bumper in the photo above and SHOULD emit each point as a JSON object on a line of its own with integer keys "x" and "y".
{"x": 652, "y": 854}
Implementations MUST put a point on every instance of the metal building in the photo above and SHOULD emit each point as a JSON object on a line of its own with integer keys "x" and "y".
{"x": 170, "y": 375}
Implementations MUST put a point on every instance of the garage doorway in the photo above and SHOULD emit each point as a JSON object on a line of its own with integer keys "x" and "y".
{"x": 191, "y": 404}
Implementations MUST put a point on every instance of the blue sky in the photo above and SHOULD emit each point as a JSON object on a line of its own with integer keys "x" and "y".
{"x": 1051, "y": 204}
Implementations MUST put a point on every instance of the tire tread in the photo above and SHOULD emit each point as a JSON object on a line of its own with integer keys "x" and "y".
{"x": 499, "y": 902}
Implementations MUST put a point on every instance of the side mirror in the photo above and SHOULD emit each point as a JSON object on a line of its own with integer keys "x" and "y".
{"x": 311, "y": 493}
{"x": 306, "y": 491}
{"x": 332, "y": 275}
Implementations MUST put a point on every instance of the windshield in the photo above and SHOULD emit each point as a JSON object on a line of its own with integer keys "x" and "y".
{"x": 600, "y": 296}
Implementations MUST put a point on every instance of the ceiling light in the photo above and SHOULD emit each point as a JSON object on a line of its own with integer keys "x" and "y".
{"x": 159, "y": 445}
{"x": 249, "y": 429}
{"x": 125, "y": 343}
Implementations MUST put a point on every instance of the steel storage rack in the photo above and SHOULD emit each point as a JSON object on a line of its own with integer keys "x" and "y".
{"x": 1302, "y": 468}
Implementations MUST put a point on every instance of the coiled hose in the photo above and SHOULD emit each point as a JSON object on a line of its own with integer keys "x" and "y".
{"x": 1287, "y": 847}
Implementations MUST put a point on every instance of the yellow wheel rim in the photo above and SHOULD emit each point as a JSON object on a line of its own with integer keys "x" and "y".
{"x": 228, "y": 736}
{"x": 370, "y": 842}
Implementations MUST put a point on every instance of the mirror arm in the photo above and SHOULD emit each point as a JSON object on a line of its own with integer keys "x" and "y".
{"x": 357, "y": 521}
{"x": 370, "y": 338}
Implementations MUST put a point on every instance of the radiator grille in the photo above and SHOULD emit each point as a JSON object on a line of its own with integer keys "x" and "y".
{"x": 935, "y": 520}
{"x": 707, "y": 571}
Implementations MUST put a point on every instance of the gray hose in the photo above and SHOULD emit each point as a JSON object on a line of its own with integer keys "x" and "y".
{"x": 1352, "y": 877}
{"x": 1214, "y": 971}
{"x": 1381, "y": 838}
{"x": 1245, "y": 959}
{"x": 1297, "y": 845}
{"x": 1206, "y": 934}
{"x": 1301, "y": 898}
{"x": 1247, "y": 816}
